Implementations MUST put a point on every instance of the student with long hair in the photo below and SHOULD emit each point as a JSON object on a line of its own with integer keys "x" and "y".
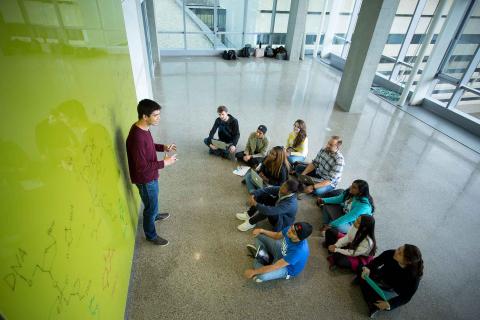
{"x": 273, "y": 171}
{"x": 397, "y": 272}
{"x": 355, "y": 248}
{"x": 297, "y": 142}
{"x": 340, "y": 212}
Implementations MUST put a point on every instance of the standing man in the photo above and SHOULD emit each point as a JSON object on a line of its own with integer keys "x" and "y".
{"x": 228, "y": 132}
{"x": 144, "y": 165}
{"x": 326, "y": 168}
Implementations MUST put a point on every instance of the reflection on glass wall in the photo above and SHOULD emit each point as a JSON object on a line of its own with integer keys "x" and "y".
{"x": 220, "y": 24}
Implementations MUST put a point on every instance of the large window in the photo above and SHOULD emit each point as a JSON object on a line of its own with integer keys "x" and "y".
{"x": 220, "y": 24}
{"x": 411, "y": 22}
{"x": 458, "y": 85}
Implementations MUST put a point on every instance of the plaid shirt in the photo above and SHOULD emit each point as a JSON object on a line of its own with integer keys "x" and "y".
{"x": 329, "y": 166}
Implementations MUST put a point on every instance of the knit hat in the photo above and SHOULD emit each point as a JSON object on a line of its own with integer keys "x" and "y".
{"x": 262, "y": 128}
{"x": 303, "y": 230}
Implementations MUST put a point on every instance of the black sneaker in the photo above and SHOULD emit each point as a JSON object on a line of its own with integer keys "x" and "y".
{"x": 372, "y": 312}
{"x": 159, "y": 241}
{"x": 162, "y": 216}
{"x": 252, "y": 250}
{"x": 263, "y": 257}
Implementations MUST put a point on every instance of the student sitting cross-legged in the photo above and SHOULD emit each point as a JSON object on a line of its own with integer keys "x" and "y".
{"x": 297, "y": 143}
{"x": 340, "y": 212}
{"x": 256, "y": 148}
{"x": 277, "y": 204}
{"x": 273, "y": 171}
{"x": 279, "y": 255}
{"x": 228, "y": 134}
{"x": 397, "y": 274}
{"x": 325, "y": 170}
{"x": 355, "y": 248}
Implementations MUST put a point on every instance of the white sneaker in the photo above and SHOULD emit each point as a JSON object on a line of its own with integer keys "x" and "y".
{"x": 243, "y": 216}
{"x": 245, "y": 226}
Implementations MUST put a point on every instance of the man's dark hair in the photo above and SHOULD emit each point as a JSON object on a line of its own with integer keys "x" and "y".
{"x": 146, "y": 107}
{"x": 221, "y": 109}
{"x": 292, "y": 185}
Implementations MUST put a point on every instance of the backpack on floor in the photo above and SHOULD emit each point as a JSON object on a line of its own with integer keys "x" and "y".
{"x": 246, "y": 51}
{"x": 269, "y": 52}
{"x": 229, "y": 55}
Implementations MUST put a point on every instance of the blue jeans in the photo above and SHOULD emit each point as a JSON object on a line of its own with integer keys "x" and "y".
{"x": 319, "y": 191}
{"x": 149, "y": 194}
{"x": 251, "y": 187}
{"x": 343, "y": 228}
{"x": 274, "y": 249}
{"x": 293, "y": 159}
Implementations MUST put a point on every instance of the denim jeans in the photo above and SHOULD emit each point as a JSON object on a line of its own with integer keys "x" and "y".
{"x": 293, "y": 159}
{"x": 274, "y": 249}
{"x": 319, "y": 191}
{"x": 149, "y": 194}
{"x": 249, "y": 182}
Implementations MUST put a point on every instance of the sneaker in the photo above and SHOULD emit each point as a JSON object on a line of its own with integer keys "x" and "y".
{"x": 245, "y": 226}
{"x": 243, "y": 216}
{"x": 159, "y": 241}
{"x": 252, "y": 250}
{"x": 372, "y": 312}
{"x": 263, "y": 257}
{"x": 162, "y": 216}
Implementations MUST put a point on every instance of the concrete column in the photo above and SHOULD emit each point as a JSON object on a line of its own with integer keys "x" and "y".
{"x": 447, "y": 33}
{"x": 296, "y": 29}
{"x": 373, "y": 26}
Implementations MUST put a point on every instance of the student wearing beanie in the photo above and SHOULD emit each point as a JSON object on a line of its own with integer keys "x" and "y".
{"x": 279, "y": 255}
{"x": 256, "y": 148}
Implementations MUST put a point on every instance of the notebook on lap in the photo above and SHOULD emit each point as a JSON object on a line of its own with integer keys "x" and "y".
{"x": 375, "y": 287}
{"x": 306, "y": 180}
{"x": 257, "y": 180}
{"x": 219, "y": 144}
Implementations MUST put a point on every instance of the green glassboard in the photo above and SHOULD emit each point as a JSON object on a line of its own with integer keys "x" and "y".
{"x": 68, "y": 210}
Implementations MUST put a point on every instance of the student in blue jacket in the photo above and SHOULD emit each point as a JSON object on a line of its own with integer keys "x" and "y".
{"x": 340, "y": 212}
{"x": 277, "y": 204}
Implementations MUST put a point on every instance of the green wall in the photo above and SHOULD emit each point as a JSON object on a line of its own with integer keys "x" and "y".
{"x": 68, "y": 211}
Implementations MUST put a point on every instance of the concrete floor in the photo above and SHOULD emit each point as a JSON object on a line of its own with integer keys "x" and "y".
{"x": 425, "y": 186}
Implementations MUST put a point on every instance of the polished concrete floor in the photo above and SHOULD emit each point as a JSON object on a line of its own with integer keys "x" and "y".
{"x": 426, "y": 187}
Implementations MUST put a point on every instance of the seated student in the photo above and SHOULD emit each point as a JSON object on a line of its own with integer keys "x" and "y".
{"x": 340, "y": 212}
{"x": 397, "y": 273}
{"x": 297, "y": 143}
{"x": 228, "y": 132}
{"x": 273, "y": 171}
{"x": 355, "y": 248}
{"x": 326, "y": 168}
{"x": 256, "y": 148}
{"x": 278, "y": 204}
{"x": 287, "y": 248}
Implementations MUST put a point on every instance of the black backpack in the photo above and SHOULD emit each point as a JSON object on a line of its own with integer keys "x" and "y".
{"x": 246, "y": 51}
{"x": 269, "y": 52}
{"x": 229, "y": 55}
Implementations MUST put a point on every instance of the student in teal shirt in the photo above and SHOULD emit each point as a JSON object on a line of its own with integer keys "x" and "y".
{"x": 340, "y": 212}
